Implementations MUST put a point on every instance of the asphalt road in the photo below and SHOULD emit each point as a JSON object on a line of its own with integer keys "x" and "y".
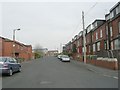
{"x": 49, "y": 72}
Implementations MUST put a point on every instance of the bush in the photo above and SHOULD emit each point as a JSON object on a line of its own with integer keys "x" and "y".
{"x": 19, "y": 60}
{"x": 91, "y": 57}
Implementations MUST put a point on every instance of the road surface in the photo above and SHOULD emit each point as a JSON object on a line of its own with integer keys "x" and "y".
{"x": 50, "y": 72}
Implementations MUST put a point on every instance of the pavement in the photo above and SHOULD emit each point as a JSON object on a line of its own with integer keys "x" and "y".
{"x": 96, "y": 69}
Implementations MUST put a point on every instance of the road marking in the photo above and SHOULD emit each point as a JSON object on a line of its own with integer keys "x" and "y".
{"x": 115, "y": 77}
{"x": 110, "y": 76}
{"x": 103, "y": 74}
{"x": 45, "y": 82}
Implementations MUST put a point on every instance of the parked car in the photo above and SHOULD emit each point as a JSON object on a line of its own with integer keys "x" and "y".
{"x": 65, "y": 58}
{"x": 59, "y": 56}
{"x": 9, "y": 65}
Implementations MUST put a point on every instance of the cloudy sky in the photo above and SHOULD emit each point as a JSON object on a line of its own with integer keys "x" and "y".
{"x": 49, "y": 23}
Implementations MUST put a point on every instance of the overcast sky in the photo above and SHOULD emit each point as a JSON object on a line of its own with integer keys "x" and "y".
{"x": 49, "y": 23}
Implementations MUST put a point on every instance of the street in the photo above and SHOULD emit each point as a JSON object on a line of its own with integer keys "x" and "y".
{"x": 50, "y": 72}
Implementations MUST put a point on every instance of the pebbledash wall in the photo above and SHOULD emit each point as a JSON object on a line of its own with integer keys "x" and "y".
{"x": 102, "y": 41}
{"x": 20, "y": 50}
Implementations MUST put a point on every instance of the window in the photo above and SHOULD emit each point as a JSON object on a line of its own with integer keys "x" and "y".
{"x": 96, "y": 35}
{"x": 92, "y": 37}
{"x": 112, "y": 45}
{"x": 77, "y": 50}
{"x": 93, "y": 47}
{"x": 101, "y": 33}
{"x": 96, "y": 24}
{"x": 117, "y": 10}
{"x": 105, "y": 45}
{"x": 98, "y": 46}
{"x": 89, "y": 48}
{"x": 117, "y": 44}
{"x": 111, "y": 15}
{"x": 111, "y": 32}
{"x": 11, "y": 60}
{"x": 106, "y": 30}
{"x": 119, "y": 26}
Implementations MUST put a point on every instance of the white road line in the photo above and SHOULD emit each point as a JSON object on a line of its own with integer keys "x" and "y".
{"x": 104, "y": 74}
{"x": 115, "y": 77}
{"x": 110, "y": 76}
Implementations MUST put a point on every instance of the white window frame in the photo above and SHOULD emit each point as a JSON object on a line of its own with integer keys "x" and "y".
{"x": 105, "y": 45}
{"x": 111, "y": 14}
{"x": 78, "y": 50}
{"x": 112, "y": 45}
{"x": 89, "y": 48}
{"x": 117, "y": 10}
{"x": 111, "y": 32}
{"x": 119, "y": 26}
{"x": 106, "y": 30}
{"x": 95, "y": 24}
{"x": 98, "y": 46}
{"x": 101, "y": 33}
{"x": 96, "y": 35}
{"x": 94, "y": 48}
{"x": 117, "y": 44}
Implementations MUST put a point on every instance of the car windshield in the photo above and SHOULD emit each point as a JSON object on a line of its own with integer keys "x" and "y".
{"x": 2, "y": 59}
{"x": 65, "y": 56}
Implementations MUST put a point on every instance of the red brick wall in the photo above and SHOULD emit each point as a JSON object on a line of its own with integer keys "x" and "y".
{"x": 115, "y": 27}
{"x": 7, "y": 49}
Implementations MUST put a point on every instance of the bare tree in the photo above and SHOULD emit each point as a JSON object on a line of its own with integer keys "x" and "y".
{"x": 38, "y": 51}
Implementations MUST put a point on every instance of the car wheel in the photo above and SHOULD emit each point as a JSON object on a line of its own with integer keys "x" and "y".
{"x": 10, "y": 72}
{"x": 19, "y": 69}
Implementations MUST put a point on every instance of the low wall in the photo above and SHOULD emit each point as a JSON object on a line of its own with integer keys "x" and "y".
{"x": 109, "y": 63}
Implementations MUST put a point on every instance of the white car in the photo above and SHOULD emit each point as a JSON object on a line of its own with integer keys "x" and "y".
{"x": 65, "y": 58}
{"x": 59, "y": 56}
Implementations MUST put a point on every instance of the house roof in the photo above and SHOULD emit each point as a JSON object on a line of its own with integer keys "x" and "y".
{"x": 8, "y": 40}
{"x": 114, "y": 6}
{"x": 98, "y": 20}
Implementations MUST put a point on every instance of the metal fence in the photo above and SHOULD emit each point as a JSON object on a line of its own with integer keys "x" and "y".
{"x": 109, "y": 54}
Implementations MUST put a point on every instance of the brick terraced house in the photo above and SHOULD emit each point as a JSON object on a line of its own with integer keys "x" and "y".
{"x": 102, "y": 38}
{"x": 21, "y": 50}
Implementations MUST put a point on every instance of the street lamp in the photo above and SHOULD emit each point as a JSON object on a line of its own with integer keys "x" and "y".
{"x": 14, "y": 41}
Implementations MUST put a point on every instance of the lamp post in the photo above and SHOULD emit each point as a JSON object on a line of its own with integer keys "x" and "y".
{"x": 14, "y": 41}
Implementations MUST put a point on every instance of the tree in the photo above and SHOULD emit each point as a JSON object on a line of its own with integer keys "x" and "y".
{"x": 38, "y": 51}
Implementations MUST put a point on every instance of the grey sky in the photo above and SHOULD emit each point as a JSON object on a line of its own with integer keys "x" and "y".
{"x": 49, "y": 23}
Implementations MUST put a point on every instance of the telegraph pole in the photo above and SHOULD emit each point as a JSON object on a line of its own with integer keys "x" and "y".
{"x": 84, "y": 39}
